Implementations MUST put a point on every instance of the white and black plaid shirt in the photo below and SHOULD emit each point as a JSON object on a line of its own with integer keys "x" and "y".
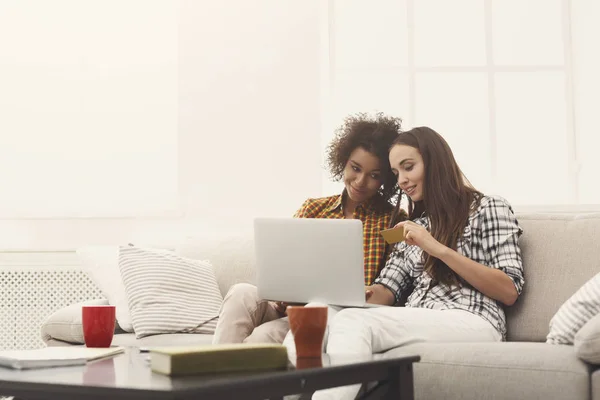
{"x": 490, "y": 238}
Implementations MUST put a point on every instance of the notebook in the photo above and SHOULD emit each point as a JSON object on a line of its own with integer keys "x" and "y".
{"x": 54, "y": 356}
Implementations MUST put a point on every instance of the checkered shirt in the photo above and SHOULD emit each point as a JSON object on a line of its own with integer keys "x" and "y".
{"x": 490, "y": 238}
{"x": 374, "y": 222}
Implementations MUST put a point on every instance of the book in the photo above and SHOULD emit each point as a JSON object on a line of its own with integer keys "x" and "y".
{"x": 54, "y": 356}
{"x": 217, "y": 358}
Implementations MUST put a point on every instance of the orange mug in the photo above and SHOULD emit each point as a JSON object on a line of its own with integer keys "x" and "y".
{"x": 98, "y": 325}
{"x": 308, "y": 326}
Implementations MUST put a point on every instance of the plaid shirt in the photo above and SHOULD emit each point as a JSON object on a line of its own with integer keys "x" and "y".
{"x": 374, "y": 247}
{"x": 490, "y": 238}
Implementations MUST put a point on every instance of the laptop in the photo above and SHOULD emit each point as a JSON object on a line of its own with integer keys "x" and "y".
{"x": 303, "y": 260}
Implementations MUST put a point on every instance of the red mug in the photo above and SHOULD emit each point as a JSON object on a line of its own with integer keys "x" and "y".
{"x": 98, "y": 325}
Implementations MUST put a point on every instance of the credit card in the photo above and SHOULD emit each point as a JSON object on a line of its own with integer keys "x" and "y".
{"x": 393, "y": 235}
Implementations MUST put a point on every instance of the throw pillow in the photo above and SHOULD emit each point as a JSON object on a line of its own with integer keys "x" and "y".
{"x": 168, "y": 293}
{"x": 65, "y": 324}
{"x": 587, "y": 341}
{"x": 575, "y": 312}
{"x": 101, "y": 263}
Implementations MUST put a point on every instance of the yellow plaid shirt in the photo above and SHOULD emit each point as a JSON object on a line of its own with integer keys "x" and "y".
{"x": 373, "y": 223}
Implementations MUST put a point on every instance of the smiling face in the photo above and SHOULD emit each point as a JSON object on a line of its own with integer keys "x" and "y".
{"x": 408, "y": 166}
{"x": 362, "y": 175}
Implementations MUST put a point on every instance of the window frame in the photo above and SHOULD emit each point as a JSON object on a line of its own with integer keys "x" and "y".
{"x": 490, "y": 69}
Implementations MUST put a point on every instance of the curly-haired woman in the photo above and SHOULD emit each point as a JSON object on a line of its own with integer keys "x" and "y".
{"x": 358, "y": 156}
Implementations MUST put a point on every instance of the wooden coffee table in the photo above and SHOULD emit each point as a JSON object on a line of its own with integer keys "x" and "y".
{"x": 128, "y": 376}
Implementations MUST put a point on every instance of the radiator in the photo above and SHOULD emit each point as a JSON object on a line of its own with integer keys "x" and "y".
{"x": 33, "y": 286}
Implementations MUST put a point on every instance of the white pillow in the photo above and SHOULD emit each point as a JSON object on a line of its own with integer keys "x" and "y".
{"x": 575, "y": 312}
{"x": 101, "y": 263}
{"x": 168, "y": 293}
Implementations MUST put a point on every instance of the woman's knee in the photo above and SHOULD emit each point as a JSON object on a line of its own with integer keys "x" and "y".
{"x": 348, "y": 317}
{"x": 270, "y": 332}
{"x": 242, "y": 291}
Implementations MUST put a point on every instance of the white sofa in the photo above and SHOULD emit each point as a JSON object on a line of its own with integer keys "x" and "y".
{"x": 560, "y": 255}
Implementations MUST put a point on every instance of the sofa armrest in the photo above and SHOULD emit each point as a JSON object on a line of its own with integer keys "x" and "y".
{"x": 65, "y": 324}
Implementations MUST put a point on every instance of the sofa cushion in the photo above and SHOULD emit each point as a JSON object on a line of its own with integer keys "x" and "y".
{"x": 575, "y": 312}
{"x": 129, "y": 340}
{"x": 587, "y": 341}
{"x": 172, "y": 339}
{"x": 596, "y": 385}
{"x": 168, "y": 293}
{"x": 500, "y": 370}
{"x": 232, "y": 256}
{"x": 559, "y": 256}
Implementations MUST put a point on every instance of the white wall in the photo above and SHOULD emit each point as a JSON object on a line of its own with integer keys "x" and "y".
{"x": 248, "y": 125}
{"x": 249, "y": 119}
{"x": 88, "y": 108}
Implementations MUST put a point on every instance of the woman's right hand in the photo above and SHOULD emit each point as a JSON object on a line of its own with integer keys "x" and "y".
{"x": 281, "y": 307}
{"x": 379, "y": 294}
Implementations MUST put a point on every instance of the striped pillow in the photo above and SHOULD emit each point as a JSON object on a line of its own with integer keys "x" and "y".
{"x": 575, "y": 312}
{"x": 167, "y": 293}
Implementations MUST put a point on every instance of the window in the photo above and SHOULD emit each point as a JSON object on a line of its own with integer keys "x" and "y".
{"x": 504, "y": 81}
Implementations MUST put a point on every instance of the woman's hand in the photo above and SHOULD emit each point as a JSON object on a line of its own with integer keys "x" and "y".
{"x": 368, "y": 293}
{"x": 417, "y": 235}
{"x": 281, "y": 307}
{"x": 379, "y": 294}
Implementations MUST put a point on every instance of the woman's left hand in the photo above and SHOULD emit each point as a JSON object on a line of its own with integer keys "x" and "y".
{"x": 417, "y": 235}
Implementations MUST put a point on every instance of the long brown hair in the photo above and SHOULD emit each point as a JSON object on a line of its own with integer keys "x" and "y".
{"x": 448, "y": 197}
